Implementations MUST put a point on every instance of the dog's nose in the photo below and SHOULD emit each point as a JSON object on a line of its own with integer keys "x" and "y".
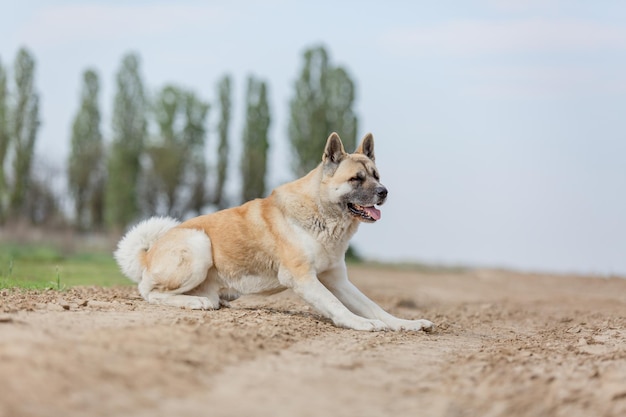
{"x": 381, "y": 192}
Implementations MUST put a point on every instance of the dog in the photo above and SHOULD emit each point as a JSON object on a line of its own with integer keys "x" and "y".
{"x": 295, "y": 238}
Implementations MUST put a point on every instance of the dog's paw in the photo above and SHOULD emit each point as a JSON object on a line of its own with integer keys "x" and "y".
{"x": 416, "y": 325}
{"x": 413, "y": 325}
{"x": 375, "y": 326}
{"x": 427, "y": 326}
{"x": 200, "y": 303}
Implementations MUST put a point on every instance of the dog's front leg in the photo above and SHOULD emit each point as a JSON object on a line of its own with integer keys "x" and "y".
{"x": 320, "y": 298}
{"x": 336, "y": 280}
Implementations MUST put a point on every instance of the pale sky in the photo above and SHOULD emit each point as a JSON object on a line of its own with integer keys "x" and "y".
{"x": 499, "y": 124}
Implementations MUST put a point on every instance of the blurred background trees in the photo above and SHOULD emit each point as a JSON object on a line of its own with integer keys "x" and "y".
{"x": 21, "y": 194}
{"x": 23, "y": 126}
{"x": 223, "y": 87}
{"x": 323, "y": 103}
{"x": 156, "y": 162}
{"x": 174, "y": 171}
{"x": 129, "y": 135}
{"x": 4, "y": 141}
{"x": 255, "y": 141}
{"x": 85, "y": 166}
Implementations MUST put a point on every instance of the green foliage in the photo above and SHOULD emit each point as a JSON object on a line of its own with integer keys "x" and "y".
{"x": 174, "y": 179}
{"x": 129, "y": 132}
{"x": 43, "y": 266}
{"x": 25, "y": 123}
{"x": 25, "y": 193}
{"x": 255, "y": 141}
{"x": 224, "y": 87}
{"x": 86, "y": 160}
{"x": 4, "y": 141}
{"x": 323, "y": 103}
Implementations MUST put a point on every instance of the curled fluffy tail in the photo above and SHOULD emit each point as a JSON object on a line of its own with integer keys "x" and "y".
{"x": 132, "y": 247}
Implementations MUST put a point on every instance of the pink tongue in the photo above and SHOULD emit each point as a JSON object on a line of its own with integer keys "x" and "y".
{"x": 373, "y": 212}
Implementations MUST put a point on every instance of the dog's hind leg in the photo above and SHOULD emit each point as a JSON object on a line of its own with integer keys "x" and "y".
{"x": 192, "y": 302}
{"x": 177, "y": 271}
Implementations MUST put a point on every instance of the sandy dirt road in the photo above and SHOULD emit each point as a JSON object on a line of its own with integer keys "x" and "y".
{"x": 507, "y": 344}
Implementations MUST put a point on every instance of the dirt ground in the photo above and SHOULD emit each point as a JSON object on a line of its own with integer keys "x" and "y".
{"x": 507, "y": 344}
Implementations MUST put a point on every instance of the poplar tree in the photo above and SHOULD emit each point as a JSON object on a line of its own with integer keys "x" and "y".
{"x": 4, "y": 141}
{"x": 175, "y": 177}
{"x": 323, "y": 103}
{"x": 224, "y": 88}
{"x": 196, "y": 114}
{"x": 255, "y": 141}
{"x": 25, "y": 124}
{"x": 129, "y": 133}
{"x": 86, "y": 160}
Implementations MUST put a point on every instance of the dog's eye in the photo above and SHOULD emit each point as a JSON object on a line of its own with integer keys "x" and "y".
{"x": 358, "y": 177}
{"x": 375, "y": 175}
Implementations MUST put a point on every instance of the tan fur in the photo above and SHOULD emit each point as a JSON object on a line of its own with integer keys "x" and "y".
{"x": 295, "y": 238}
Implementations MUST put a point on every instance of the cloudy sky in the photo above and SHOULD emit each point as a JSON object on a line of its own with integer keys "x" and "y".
{"x": 500, "y": 125}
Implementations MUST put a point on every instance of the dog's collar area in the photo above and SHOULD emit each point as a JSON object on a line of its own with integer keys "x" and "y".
{"x": 370, "y": 213}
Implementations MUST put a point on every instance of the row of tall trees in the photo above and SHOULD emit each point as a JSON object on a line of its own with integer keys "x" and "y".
{"x": 154, "y": 162}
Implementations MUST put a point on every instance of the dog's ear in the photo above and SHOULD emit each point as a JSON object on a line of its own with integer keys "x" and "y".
{"x": 367, "y": 146}
{"x": 333, "y": 152}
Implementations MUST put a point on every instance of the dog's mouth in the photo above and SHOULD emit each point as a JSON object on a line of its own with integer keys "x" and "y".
{"x": 368, "y": 214}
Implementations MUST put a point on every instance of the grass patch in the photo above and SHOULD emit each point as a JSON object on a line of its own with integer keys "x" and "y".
{"x": 42, "y": 266}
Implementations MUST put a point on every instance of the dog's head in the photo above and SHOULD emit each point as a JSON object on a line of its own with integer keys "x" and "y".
{"x": 352, "y": 180}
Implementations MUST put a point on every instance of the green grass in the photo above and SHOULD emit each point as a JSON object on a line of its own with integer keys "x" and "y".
{"x": 45, "y": 266}
{"x": 42, "y": 266}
